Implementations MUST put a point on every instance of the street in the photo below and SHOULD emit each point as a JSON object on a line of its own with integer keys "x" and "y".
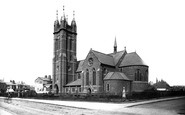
{"x": 48, "y": 107}
{"x": 172, "y": 105}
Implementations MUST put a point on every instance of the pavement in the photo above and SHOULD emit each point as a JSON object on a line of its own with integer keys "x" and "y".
{"x": 97, "y": 105}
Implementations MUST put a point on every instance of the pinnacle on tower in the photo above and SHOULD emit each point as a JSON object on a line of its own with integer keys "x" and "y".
{"x": 56, "y": 14}
{"x": 115, "y": 43}
{"x": 63, "y": 12}
{"x": 73, "y": 15}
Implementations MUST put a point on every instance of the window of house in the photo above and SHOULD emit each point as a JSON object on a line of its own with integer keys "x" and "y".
{"x": 87, "y": 77}
{"x": 94, "y": 76}
{"x": 73, "y": 89}
{"x": 79, "y": 89}
{"x": 67, "y": 90}
{"x": 108, "y": 87}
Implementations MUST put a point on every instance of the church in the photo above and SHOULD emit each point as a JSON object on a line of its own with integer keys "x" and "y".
{"x": 98, "y": 73}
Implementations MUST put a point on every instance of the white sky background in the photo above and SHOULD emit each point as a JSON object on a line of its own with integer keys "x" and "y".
{"x": 155, "y": 29}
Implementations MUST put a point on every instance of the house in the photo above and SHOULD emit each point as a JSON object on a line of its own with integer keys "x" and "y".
{"x": 43, "y": 84}
{"x": 162, "y": 86}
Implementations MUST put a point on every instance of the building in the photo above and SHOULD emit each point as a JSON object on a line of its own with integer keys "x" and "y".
{"x": 3, "y": 87}
{"x": 43, "y": 84}
{"x": 161, "y": 85}
{"x": 16, "y": 87}
{"x": 64, "y": 61}
{"x": 112, "y": 73}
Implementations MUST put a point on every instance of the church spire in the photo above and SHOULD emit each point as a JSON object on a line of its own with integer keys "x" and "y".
{"x": 115, "y": 46}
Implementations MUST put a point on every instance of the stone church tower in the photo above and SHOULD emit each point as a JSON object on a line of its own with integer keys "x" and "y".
{"x": 64, "y": 60}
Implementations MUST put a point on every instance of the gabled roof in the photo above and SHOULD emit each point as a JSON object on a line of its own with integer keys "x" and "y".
{"x": 116, "y": 76}
{"x": 43, "y": 79}
{"x": 104, "y": 58}
{"x": 161, "y": 84}
{"x": 132, "y": 59}
{"x": 80, "y": 64}
{"x": 75, "y": 83}
{"x": 116, "y": 56}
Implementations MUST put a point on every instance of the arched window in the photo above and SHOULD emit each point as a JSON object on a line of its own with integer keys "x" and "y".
{"x": 140, "y": 77}
{"x": 137, "y": 75}
{"x": 94, "y": 76}
{"x": 87, "y": 77}
{"x": 146, "y": 75}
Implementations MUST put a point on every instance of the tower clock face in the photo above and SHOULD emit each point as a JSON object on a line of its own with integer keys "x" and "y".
{"x": 90, "y": 61}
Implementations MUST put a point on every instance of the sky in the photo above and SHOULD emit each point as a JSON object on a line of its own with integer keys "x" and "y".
{"x": 155, "y": 29}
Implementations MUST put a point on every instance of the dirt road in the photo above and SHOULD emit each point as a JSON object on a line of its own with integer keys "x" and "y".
{"x": 173, "y": 106}
{"x": 32, "y": 108}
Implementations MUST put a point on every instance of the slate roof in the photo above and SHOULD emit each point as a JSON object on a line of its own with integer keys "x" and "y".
{"x": 116, "y": 56}
{"x": 112, "y": 59}
{"x": 132, "y": 59}
{"x": 116, "y": 76}
{"x": 75, "y": 83}
{"x": 104, "y": 58}
{"x": 80, "y": 64}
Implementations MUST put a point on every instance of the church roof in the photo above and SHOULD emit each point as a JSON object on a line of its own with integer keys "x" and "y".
{"x": 116, "y": 56}
{"x": 75, "y": 83}
{"x": 80, "y": 64}
{"x": 116, "y": 76}
{"x": 113, "y": 59}
{"x": 132, "y": 59}
{"x": 104, "y": 58}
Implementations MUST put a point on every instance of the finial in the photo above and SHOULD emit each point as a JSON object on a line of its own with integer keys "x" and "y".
{"x": 73, "y": 14}
{"x": 63, "y": 11}
{"x": 125, "y": 47}
{"x": 63, "y": 8}
{"x": 57, "y": 15}
{"x": 115, "y": 46}
{"x": 67, "y": 18}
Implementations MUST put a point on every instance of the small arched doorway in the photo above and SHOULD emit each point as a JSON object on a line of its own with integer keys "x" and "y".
{"x": 56, "y": 88}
